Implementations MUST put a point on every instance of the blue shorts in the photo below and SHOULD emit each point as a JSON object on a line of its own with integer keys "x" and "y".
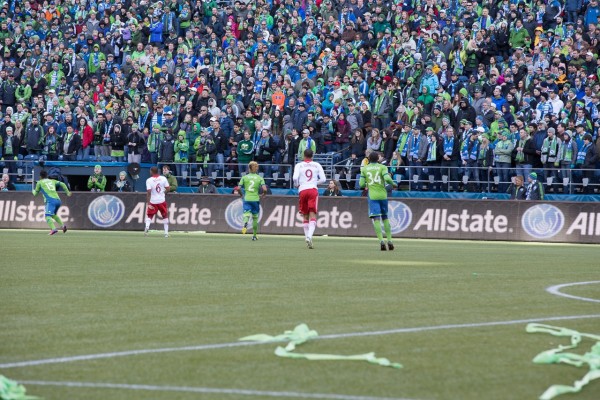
{"x": 52, "y": 206}
{"x": 378, "y": 208}
{"x": 253, "y": 207}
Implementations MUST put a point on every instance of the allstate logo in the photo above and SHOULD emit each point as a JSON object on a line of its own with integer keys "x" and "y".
{"x": 542, "y": 221}
{"x": 400, "y": 216}
{"x": 234, "y": 215}
{"x": 106, "y": 211}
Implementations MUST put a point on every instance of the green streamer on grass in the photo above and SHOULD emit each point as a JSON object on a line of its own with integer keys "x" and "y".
{"x": 12, "y": 390}
{"x": 302, "y": 334}
{"x": 558, "y": 355}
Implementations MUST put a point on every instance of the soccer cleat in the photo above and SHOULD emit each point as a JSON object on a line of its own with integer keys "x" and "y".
{"x": 254, "y": 238}
{"x": 383, "y": 248}
{"x": 166, "y": 235}
{"x": 64, "y": 229}
{"x": 390, "y": 246}
{"x": 245, "y": 229}
{"x": 309, "y": 243}
{"x": 53, "y": 232}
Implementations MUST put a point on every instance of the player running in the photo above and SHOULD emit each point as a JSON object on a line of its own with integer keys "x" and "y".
{"x": 156, "y": 187}
{"x": 374, "y": 177}
{"x": 51, "y": 199}
{"x": 307, "y": 175}
{"x": 250, "y": 185}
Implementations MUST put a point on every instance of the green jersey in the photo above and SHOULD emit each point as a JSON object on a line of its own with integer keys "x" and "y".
{"x": 251, "y": 183}
{"x": 374, "y": 176}
{"x": 48, "y": 188}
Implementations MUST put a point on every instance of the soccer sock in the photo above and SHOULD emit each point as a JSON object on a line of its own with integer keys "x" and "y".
{"x": 305, "y": 226}
{"x": 388, "y": 229}
{"x": 254, "y": 224}
{"x": 148, "y": 220}
{"x": 246, "y": 217}
{"x": 311, "y": 227}
{"x": 377, "y": 226}
{"x": 57, "y": 219}
{"x": 50, "y": 223}
{"x": 166, "y": 225}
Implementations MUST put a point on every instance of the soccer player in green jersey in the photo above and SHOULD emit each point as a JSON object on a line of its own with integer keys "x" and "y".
{"x": 374, "y": 177}
{"x": 48, "y": 189}
{"x": 250, "y": 185}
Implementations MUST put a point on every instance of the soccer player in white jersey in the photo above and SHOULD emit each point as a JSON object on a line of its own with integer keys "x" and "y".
{"x": 307, "y": 175}
{"x": 156, "y": 188}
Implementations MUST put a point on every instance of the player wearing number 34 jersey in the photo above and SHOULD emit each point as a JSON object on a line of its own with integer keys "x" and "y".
{"x": 307, "y": 175}
{"x": 156, "y": 188}
{"x": 374, "y": 177}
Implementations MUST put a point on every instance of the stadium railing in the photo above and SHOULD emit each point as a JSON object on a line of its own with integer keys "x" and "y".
{"x": 408, "y": 178}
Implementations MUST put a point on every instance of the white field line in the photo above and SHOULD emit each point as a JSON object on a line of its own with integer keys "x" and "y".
{"x": 555, "y": 290}
{"x": 206, "y": 390}
{"x": 88, "y": 357}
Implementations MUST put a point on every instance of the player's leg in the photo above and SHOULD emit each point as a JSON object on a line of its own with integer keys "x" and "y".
{"x": 312, "y": 223}
{"x": 375, "y": 215}
{"x": 312, "y": 213}
{"x": 50, "y": 212}
{"x": 303, "y": 207}
{"x": 386, "y": 224}
{"x": 254, "y": 226}
{"x": 57, "y": 219}
{"x": 150, "y": 212}
{"x": 165, "y": 217}
{"x": 247, "y": 214}
{"x": 255, "y": 211}
{"x": 50, "y": 223}
{"x": 377, "y": 226}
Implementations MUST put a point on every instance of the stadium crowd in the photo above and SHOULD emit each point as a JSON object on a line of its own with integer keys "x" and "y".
{"x": 443, "y": 89}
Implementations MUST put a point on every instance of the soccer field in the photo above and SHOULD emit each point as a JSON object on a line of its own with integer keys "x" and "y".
{"x": 115, "y": 315}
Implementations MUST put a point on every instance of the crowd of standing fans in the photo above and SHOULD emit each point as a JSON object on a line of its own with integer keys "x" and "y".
{"x": 453, "y": 94}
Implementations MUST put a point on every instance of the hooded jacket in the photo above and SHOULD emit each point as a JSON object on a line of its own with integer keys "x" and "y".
{"x": 181, "y": 147}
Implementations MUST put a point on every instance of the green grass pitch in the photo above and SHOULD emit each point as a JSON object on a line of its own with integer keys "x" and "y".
{"x": 89, "y": 293}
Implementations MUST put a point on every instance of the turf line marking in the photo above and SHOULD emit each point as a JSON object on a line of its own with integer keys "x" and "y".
{"x": 88, "y": 357}
{"x": 206, "y": 390}
{"x": 455, "y": 326}
{"x": 555, "y": 290}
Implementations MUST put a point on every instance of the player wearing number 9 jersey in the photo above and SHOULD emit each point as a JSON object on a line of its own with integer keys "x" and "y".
{"x": 374, "y": 177}
{"x": 156, "y": 188}
{"x": 308, "y": 174}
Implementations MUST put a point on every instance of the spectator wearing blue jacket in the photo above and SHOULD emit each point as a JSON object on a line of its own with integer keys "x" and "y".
{"x": 226, "y": 123}
{"x": 571, "y": 9}
{"x": 430, "y": 80}
{"x": 156, "y": 30}
{"x": 592, "y": 13}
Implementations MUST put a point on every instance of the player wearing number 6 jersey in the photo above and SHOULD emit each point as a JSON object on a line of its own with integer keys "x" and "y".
{"x": 250, "y": 185}
{"x": 374, "y": 177}
{"x": 48, "y": 189}
{"x": 156, "y": 187}
{"x": 307, "y": 175}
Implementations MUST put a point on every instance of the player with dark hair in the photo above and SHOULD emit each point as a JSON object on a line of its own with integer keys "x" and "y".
{"x": 307, "y": 175}
{"x": 51, "y": 199}
{"x": 156, "y": 188}
{"x": 374, "y": 177}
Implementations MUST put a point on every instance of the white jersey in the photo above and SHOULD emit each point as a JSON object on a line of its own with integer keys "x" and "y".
{"x": 158, "y": 186}
{"x": 308, "y": 174}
